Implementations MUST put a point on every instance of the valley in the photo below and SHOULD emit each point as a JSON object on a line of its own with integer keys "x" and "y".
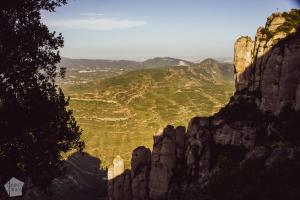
{"x": 120, "y": 110}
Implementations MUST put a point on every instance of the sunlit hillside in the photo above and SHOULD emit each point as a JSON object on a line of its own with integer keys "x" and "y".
{"x": 123, "y": 112}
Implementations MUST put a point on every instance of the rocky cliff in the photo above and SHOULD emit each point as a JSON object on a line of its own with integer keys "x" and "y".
{"x": 250, "y": 149}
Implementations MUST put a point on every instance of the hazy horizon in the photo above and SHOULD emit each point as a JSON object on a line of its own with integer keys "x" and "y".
{"x": 140, "y": 30}
{"x": 195, "y": 60}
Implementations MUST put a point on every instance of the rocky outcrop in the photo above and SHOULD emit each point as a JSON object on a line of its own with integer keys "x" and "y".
{"x": 118, "y": 180}
{"x": 268, "y": 66}
{"x": 243, "y": 58}
{"x": 256, "y": 132}
{"x": 82, "y": 179}
{"x": 166, "y": 161}
{"x": 140, "y": 169}
{"x": 274, "y": 21}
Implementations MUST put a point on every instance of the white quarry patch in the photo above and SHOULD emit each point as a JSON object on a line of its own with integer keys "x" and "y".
{"x": 182, "y": 63}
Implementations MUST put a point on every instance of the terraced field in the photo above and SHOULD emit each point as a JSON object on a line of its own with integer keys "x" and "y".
{"x": 122, "y": 112}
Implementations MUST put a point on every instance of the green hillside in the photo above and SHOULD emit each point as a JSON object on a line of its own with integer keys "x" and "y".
{"x": 122, "y": 112}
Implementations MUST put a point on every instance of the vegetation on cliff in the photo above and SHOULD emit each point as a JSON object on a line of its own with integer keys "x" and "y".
{"x": 292, "y": 22}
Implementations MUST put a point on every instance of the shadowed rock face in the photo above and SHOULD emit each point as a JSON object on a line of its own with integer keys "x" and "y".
{"x": 140, "y": 169}
{"x": 259, "y": 125}
{"x": 82, "y": 180}
{"x": 167, "y": 154}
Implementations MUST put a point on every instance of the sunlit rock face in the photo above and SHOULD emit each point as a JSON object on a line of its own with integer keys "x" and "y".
{"x": 269, "y": 68}
{"x": 259, "y": 124}
{"x": 247, "y": 52}
{"x": 275, "y": 21}
{"x": 118, "y": 168}
{"x": 243, "y": 49}
{"x": 118, "y": 180}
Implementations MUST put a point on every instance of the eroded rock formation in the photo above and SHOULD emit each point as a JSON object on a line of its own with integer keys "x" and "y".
{"x": 269, "y": 66}
{"x": 140, "y": 169}
{"x": 243, "y": 49}
{"x": 256, "y": 132}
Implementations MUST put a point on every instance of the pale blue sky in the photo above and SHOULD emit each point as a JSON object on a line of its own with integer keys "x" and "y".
{"x": 141, "y": 29}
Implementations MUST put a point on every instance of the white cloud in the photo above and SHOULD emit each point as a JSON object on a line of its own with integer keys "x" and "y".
{"x": 96, "y": 23}
{"x": 91, "y": 14}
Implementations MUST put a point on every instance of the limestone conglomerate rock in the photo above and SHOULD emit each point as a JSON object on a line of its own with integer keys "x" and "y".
{"x": 248, "y": 53}
{"x": 166, "y": 154}
{"x": 198, "y": 149}
{"x": 118, "y": 180}
{"x": 260, "y": 124}
{"x": 243, "y": 49}
{"x": 121, "y": 187}
{"x": 275, "y": 21}
{"x": 118, "y": 166}
{"x": 269, "y": 69}
{"x": 140, "y": 168}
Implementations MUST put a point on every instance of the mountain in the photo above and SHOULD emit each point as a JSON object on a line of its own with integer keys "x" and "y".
{"x": 249, "y": 149}
{"x": 165, "y": 62}
{"x": 85, "y": 70}
{"x": 216, "y": 70}
{"x": 89, "y": 64}
{"x": 98, "y": 64}
{"x": 121, "y": 112}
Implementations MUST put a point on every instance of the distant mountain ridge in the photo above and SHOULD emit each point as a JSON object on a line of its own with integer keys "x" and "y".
{"x": 100, "y": 64}
{"x": 79, "y": 64}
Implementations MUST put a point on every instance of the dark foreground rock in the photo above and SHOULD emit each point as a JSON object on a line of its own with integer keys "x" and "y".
{"x": 82, "y": 180}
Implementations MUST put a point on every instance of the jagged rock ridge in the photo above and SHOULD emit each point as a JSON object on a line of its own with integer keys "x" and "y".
{"x": 254, "y": 137}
